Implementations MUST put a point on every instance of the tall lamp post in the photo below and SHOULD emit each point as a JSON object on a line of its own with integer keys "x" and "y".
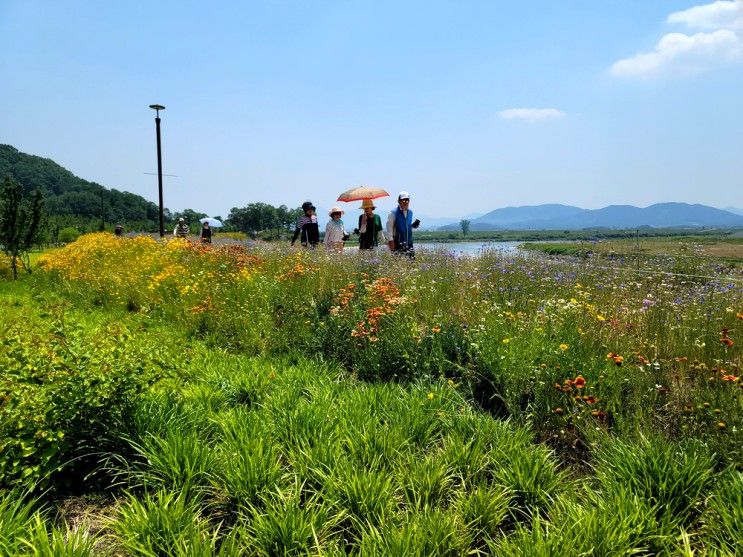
{"x": 157, "y": 108}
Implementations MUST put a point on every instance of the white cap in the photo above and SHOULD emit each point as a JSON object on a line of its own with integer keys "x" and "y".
{"x": 403, "y": 195}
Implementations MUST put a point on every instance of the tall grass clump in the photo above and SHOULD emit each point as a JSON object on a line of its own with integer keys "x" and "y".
{"x": 43, "y": 541}
{"x": 16, "y": 518}
{"x": 672, "y": 480}
{"x": 247, "y": 464}
{"x": 284, "y": 524}
{"x": 167, "y": 523}
{"x": 725, "y": 513}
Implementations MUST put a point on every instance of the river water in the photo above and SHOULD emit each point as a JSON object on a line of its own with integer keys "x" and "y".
{"x": 469, "y": 248}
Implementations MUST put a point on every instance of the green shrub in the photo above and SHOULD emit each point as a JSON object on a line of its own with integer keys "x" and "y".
{"x": 68, "y": 235}
{"x": 66, "y": 390}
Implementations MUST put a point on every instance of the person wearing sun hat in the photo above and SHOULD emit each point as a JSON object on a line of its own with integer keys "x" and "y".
{"x": 370, "y": 227}
{"x": 400, "y": 225}
{"x": 335, "y": 233}
{"x": 307, "y": 226}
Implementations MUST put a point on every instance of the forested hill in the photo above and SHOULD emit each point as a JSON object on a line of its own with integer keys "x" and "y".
{"x": 66, "y": 195}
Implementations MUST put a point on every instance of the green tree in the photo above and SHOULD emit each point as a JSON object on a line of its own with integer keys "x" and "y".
{"x": 464, "y": 224}
{"x": 20, "y": 223}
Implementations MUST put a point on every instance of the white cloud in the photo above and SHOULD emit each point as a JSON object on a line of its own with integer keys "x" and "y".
{"x": 723, "y": 14}
{"x": 678, "y": 54}
{"x": 681, "y": 54}
{"x": 531, "y": 114}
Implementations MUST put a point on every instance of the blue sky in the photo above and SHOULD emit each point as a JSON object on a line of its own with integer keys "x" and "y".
{"x": 469, "y": 106}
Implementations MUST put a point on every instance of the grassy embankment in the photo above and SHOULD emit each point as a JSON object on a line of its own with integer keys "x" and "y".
{"x": 204, "y": 402}
{"x": 721, "y": 248}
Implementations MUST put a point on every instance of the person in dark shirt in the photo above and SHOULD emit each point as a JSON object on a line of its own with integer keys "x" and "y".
{"x": 307, "y": 227}
{"x": 206, "y": 233}
{"x": 370, "y": 227}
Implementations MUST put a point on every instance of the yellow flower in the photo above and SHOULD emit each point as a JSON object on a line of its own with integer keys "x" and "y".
{"x": 430, "y": 396}
{"x": 506, "y": 340}
{"x": 600, "y": 317}
{"x": 564, "y": 347}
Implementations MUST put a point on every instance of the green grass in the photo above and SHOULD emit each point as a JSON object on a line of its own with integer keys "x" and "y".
{"x": 504, "y": 407}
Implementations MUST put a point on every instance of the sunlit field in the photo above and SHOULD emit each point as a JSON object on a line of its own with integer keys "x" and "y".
{"x": 179, "y": 399}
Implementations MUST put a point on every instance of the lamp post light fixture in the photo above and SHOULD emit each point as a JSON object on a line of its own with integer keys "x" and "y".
{"x": 157, "y": 108}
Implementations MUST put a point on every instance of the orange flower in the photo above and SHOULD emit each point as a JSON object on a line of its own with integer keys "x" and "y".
{"x": 729, "y": 378}
{"x": 739, "y": 315}
{"x": 727, "y": 341}
{"x": 616, "y": 358}
{"x": 579, "y": 382}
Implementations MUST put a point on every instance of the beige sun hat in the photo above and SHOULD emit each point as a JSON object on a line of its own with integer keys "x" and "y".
{"x": 367, "y": 203}
{"x": 335, "y": 209}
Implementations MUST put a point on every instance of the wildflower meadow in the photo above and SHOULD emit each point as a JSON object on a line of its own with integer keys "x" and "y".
{"x": 173, "y": 398}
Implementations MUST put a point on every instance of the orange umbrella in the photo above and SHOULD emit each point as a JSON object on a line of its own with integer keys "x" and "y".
{"x": 362, "y": 192}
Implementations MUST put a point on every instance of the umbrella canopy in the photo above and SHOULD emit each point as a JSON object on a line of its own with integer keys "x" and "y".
{"x": 362, "y": 192}
{"x": 214, "y": 223}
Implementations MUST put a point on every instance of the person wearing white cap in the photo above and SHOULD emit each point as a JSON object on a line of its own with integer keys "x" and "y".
{"x": 400, "y": 225}
{"x": 181, "y": 229}
{"x": 335, "y": 233}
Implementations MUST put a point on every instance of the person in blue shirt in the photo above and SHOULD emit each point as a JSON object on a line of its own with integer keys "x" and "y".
{"x": 400, "y": 225}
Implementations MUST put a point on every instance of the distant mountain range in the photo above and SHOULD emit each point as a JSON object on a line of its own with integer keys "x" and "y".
{"x": 567, "y": 217}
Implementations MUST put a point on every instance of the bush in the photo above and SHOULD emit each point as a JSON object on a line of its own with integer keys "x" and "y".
{"x": 68, "y": 235}
{"x": 65, "y": 390}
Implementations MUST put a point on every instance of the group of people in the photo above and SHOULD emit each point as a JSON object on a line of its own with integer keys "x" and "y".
{"x": 182, "y": 230}
{"x": 399, "y": 229}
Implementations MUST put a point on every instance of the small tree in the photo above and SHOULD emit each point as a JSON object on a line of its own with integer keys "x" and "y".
{"x": 20, "y": 223}
{"x": 464, "y": 224}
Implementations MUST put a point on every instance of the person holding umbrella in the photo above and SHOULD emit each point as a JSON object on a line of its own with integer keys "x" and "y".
{"x": 206, "y": 233}
{"x": 370, "y": 227}
{"x": 400, "y": 225}
{"x": 307, "y": 226}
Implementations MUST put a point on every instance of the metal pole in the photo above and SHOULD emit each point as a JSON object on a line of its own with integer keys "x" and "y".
{"x": 160, "y": 176}
{"x": 103, "y": 212}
